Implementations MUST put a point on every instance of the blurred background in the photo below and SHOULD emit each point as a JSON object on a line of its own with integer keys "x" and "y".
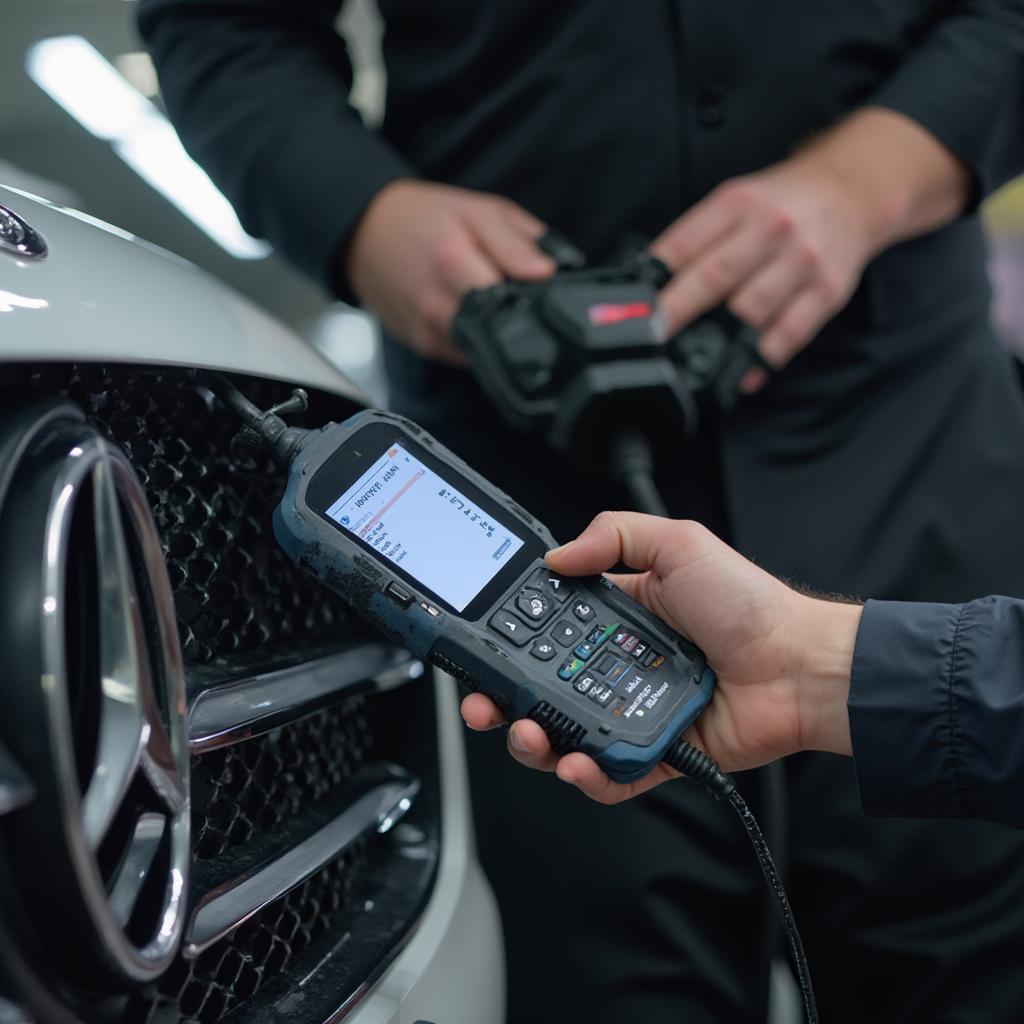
{"x": 82, "y": 125}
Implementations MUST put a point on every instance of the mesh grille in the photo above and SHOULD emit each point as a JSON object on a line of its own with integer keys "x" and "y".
{"x": 202, "y": 990}
{"x": 234, "y": 590}
{"x": 254, "y": 786}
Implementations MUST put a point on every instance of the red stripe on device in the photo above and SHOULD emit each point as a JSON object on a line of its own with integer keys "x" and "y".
{"x": 603, "y": 313}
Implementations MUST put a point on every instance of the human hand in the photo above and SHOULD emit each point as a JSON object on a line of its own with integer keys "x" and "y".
{"x": 782, "y": 659}
{"x": 420, "y": 247}
{"x": 785, "y": 247}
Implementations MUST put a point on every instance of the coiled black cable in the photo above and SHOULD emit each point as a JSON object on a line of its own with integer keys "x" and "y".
{"x": 700, "y": 768}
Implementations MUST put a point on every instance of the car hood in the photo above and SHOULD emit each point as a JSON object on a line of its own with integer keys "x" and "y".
{"x": 101, "y": 294}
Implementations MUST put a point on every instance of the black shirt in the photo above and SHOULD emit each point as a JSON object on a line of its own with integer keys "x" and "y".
{"x": 600, "y": 117}
{"x": 606, "y": 118}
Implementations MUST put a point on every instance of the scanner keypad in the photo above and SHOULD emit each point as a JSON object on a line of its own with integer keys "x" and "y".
{"x": 609, "y": 664}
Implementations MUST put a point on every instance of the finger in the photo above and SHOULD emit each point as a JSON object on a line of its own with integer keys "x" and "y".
{"x": 511, "y": 246}
{"x": 532, "y": 226}
{"x": 795, "y": 326}
{"x": 753, "y": 380}
{"x": 639, "y": 541}
{"x": 703, "y": 224}
{"x": 481, "y": 713}
{"x": 529, "y": 745}
{"x": 462, "y": 265}
{"x": 763, "y": 296}
{"x": 585, "y": 773}
{"x": 429, "y": 329}
{"x": 715, "y": 275}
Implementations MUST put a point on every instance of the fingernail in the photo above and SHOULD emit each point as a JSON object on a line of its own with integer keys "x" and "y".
{"x": 559, "y": 549}
{"x": 516, "y": 740}
{"x": 751, "y": 381}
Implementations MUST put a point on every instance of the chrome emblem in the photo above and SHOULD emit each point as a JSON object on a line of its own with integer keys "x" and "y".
{"x": 18, "y": 238}
{"x": 115, "y": 757}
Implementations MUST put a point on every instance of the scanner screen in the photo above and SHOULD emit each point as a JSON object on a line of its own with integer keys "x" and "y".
{"x": 413, "y": 517}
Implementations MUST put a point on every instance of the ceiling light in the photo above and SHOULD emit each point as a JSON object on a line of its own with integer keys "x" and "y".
{"x": 77, "y": 77}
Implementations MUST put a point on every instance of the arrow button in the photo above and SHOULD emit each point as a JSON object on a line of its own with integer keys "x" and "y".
{"x": 551, "y": 584}
{"x": 510, "y": 627}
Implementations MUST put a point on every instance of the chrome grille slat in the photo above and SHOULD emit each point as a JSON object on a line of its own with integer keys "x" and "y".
{"x": 229, "y": 713}
{"x": 231, "y": 904}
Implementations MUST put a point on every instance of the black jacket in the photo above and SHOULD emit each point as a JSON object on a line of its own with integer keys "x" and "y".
{"x": 937, "y": 710}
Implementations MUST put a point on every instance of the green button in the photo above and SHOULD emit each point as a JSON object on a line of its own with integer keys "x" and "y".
{"x": 570, "y": 668}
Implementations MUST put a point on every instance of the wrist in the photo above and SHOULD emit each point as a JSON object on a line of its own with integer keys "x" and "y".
{"x": 901, "y": 180}
{"x": 824, "y": 637}
{"x": 373, "y": 220}
{"x": 875, "y": 206}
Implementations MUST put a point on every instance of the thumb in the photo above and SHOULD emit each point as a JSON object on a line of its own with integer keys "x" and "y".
{"x": 640, "y": 541}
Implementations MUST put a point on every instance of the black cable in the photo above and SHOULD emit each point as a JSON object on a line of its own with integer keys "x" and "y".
{"x": 262, "y": 429}
{"x": 631, "y": 464}
{"x": 696, "y": 765}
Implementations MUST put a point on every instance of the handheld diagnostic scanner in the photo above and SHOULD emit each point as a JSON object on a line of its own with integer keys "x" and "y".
{"x": 452, "y": 568}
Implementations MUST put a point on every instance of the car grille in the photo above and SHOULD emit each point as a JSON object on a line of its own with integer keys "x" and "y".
{"x": 241, "y": 791}
{"x": 234, "y": 589}
{"x": 242, "y": 608}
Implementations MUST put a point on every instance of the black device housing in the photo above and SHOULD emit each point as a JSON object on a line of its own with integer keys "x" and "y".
{"x": 573, "y": 357}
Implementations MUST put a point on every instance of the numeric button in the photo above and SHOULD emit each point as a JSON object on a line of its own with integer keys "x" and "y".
{"x": 510, "y": 628}
{"x": 543, "y": 649}
{"x": 584, "y": 683}
{"x": 566, "y": 633}
{"x": 583, "y": 610}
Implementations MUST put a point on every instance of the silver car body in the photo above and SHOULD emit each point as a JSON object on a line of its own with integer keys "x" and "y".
{"x": 102, "y": 295}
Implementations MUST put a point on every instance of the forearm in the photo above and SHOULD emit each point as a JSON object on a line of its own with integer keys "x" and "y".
{"x": 904, "y": 180}
{"x": 258, "y": 91}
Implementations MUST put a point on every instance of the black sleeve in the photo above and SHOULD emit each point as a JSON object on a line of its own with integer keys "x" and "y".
{"x": 964, "y": 82}
{"x": 258, "y": 91}
{"x": 937, "y": 710}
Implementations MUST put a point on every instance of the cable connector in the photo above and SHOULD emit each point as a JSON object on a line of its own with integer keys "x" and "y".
{"x": 263, "y": 429}
{"x": 698, "y": 767}
{"x": 631, "y": 465}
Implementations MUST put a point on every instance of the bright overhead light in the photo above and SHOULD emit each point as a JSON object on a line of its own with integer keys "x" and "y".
{"x": 137, "y": 68}
{"x": 77, "y": 77}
